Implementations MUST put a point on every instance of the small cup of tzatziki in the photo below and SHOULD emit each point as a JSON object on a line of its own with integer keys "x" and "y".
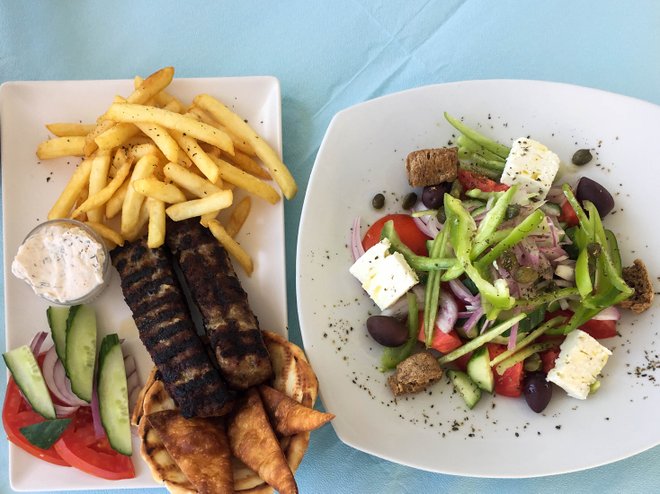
{"x": 64, "y": 261}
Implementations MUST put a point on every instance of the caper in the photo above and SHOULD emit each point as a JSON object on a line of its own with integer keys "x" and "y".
{"x": 533, "y": 363}
{"x": 525, "y": 274}
{"x": 378, "y": 201}
{"x": 581, "y": 157}
{"x": 594, "y": 249}
{"x": 512, "y": 210}
{"x": 441, "y": 215}
{"x": 508, "y": 260}
{"x": 456, "y": 189}
{"x": 409, "y": 200}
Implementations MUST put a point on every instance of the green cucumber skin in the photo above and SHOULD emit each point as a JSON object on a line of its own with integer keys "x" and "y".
{"x": 479, "y": 370}
{"x": 26, "y": 372}
{"x": 113, "y": 395}
{"x": 58, "y": 318}
{"x": 81, "y": 350}
{"x": 468, "y": 390}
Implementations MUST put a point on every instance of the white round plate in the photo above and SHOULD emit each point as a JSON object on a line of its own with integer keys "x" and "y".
{"x": 363, "y": 153}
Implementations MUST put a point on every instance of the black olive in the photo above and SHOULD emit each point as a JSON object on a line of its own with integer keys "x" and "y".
{"x": 581, "y": 157}
{"x": 378, "y": 201}
{"x": 537, "y": 390}
{"x": 433, "y": 195}
{"x": 387, "y": 330}
{"x": 590, "y": 190}
{"x": 409, "y": 200}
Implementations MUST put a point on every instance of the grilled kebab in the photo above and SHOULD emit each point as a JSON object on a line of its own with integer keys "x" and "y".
{"x": 166, "y": 329}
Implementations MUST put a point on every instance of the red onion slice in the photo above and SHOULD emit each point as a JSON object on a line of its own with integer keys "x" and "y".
{"x": 37, "y": 342}
{"x": 461, "y": 292}
{"x": 470, "y": 325}
{"x": 513, "y": 336}
{"x": 356, "y": 241}
{"x": 447, "y": 312}
{"x": 64, "y": 410}
{"x": 48, "y": 370}
{"x": 609, "y": 314}
{"x": 64, "y": 386}
{"x": 99, "y": 431}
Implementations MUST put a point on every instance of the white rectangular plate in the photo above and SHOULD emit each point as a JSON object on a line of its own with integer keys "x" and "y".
{"x": 30, "y": 187}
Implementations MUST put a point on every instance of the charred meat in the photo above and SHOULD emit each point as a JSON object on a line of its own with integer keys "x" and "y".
{"x": 230, "y": 324}
{"x": 166, "y": 329}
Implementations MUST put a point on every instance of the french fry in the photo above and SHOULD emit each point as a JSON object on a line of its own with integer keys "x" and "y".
{"x": 116, "y": 202}
{"x": 106, "y": 232}
{"x": 98, "y": 179}
{"x": 132, "y": 113}
{"x": 197, "y": 155}
{"x": 143, "y": 219}
{"x": 154, "y": 188}
{"x": 152, "y": 85}
{"x": 90, "y": 139}
{"x": 63, "y": 129}
{"x": 238, "y": 216}
{"x": 239, "y": 144}
{"x": 58, "y": 147}
{"x": 190, "y": 181}
{"x": 137, "y": 151}
{"x": 232, "y": 246}
{"x": 130, "y": 214}
{"x": 107, "y": 193}
{"x": 246, "y": 181}
{"x": 198, "y": 207}
{"x": 237, "y": 125}
{"x": 70, "y": 194}
{"x": 162, "y": 139}
{"x": 116, "y": 136}
{"x": 156, "y": 231}
{"x": 247, "y": 164}
{"x": 205, "y": 218}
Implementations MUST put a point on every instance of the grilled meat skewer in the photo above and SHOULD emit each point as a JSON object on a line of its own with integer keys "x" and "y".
{"x": 166, "y": 329}
{"x": 230, "y": 324}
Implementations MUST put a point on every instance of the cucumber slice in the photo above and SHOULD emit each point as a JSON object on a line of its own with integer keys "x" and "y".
{"x": 465, "y": 386}
{"x": 57, "y": 320}
{"x": 27, "y": 374}
{"x": 551, "y": 208}
{"x": 478, "y": 368}
{"x": 113, "y": 395}
{"x": 81, "y": 350}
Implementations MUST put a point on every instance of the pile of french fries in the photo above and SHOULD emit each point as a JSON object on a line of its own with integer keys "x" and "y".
{"x": 149, "y": 157}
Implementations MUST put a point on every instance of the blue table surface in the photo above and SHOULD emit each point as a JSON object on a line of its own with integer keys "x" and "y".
{"x": 328, "y": 56}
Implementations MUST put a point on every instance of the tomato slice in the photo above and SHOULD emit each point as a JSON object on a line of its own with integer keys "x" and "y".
{"x": 470, "y": 180}
{"x": 17, "y": 413}
{"x": 442, "y": 342}
{"x": 568, "y": 215}
{"x": 595, "y": 328}
{"x": 509, "y": 383}
{"x": 406, "y": 229}
{"x": 80, "y": 447}
{"x": 548, "y": 359}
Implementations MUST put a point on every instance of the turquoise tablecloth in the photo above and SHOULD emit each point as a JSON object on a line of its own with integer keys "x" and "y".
{"x": 327, "y": 56}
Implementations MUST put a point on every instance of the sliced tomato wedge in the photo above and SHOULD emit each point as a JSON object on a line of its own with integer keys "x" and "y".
{"x": 17, "y": 413}
{"x": 406, "y": 229}
{"x": 80, "y": 447}
{"x": 509, "y": 383}
{"x": 595, "y": 328}
{"x": 442, "y": 342}
{"x": 471, "y": 180}
{"x": 548, "y": 359}
{"x": 568, "y": 215}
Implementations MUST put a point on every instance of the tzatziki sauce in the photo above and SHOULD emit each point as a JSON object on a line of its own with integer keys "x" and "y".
{"x": 61, "y": 262}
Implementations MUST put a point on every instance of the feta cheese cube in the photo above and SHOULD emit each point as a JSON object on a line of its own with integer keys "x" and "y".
{"x": 385, "y": 277}
{"x": 531, "y": 166}
{"x": 580, "y": 361}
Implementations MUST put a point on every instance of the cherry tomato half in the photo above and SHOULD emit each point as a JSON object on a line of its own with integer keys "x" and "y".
{"x": 405, "y": 227}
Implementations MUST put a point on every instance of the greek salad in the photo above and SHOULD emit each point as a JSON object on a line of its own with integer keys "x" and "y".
{"x": 504, "y": 274}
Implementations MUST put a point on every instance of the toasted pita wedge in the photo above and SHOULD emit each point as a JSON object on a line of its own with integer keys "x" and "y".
{"x": 138, "y": 409}
{"x": 157, "y": 399}
{"x": 253, "y": 441}
{"x": 200, "y": 448}
{"x": 287, "y": 379}
{"x": 288, "y": 416}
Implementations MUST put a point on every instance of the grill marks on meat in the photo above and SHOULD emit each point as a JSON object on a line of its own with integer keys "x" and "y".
{"x": 230, "y": 324}
{"x": 166, "y": 329}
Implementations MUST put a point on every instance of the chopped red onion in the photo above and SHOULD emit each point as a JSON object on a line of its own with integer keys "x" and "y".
{"x": 423, "y": 227}
{"x": 447, "y": 312}
{"x": 37, "y": 342}
{"x": 461, "y": 291}
{"x": 399, "y": 309}
{"x": 513, "y": 336}
{"x": 356, "y": 241}
{"x": 487, "y": 324}
{"x": 608, "y": 314}
{"x": 470, "y": 325}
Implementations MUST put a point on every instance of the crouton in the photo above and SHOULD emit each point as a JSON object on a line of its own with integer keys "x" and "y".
{"x": 414, "y": 374}
{"x": 432, "y": 166}
{"x": 637, "y": 277}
